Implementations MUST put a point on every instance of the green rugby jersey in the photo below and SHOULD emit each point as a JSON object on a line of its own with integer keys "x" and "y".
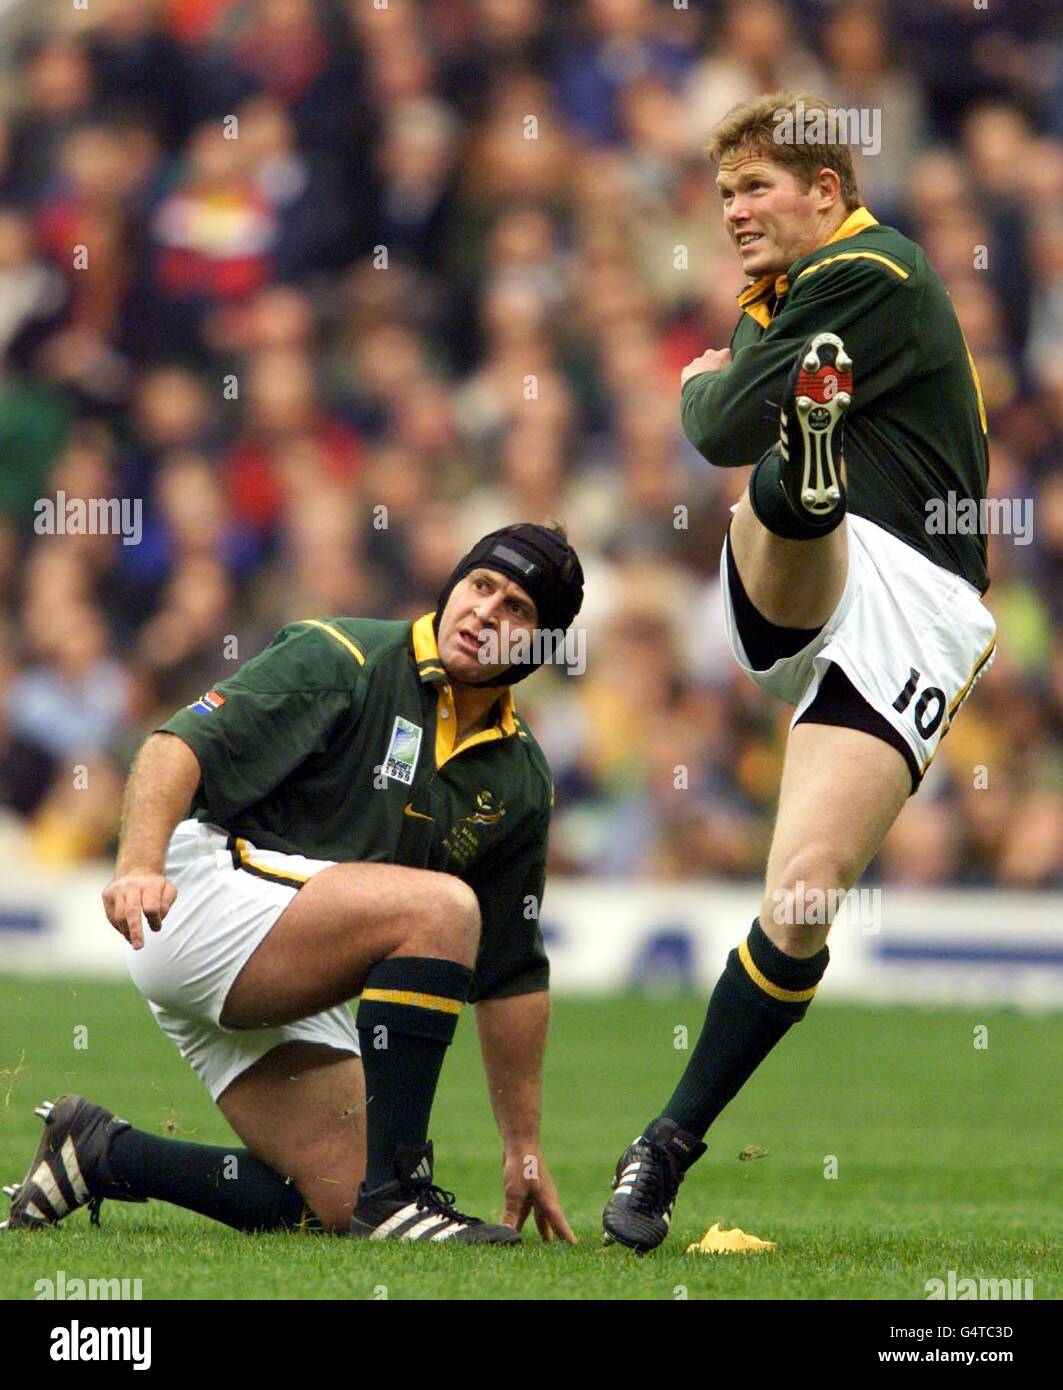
{"x": 337, "y": 742}
{"x": 917, "y": 428}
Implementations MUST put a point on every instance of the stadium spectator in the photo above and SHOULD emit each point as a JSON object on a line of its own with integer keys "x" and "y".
{"x": 515, "y": 350}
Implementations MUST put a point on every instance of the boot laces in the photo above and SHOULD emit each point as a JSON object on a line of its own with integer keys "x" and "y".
{"x": 438, "y": 1200}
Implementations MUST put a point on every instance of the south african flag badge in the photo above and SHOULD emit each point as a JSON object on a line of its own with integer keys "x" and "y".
{"x": 208, "y": 703}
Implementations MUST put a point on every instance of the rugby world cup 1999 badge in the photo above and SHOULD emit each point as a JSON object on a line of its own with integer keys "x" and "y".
{"x": 400, "y": 761}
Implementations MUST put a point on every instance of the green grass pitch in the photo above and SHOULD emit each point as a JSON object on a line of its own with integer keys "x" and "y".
{"x": 949, "y": 1157}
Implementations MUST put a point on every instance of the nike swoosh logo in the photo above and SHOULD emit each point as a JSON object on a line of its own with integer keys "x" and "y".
{"x": 417, "y": 815}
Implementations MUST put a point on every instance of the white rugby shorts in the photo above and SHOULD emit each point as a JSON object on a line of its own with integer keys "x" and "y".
{"x": 912, "y": 638}
{"x": 221, "y": 915}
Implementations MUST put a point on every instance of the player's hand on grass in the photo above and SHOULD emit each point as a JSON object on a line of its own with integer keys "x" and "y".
{"x": 714, "y": 360}
{"x": 131, "y": 897}
{"x": 528, "y": 1187}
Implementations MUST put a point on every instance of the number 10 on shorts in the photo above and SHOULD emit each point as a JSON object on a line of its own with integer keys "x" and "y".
{"x": 929, "y": 708}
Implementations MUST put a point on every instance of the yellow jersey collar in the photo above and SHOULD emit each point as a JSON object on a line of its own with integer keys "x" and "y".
{"x": 858, "y": 221}
{"x": 754, "y": 299}
{"x": 759, "y": 299}
{"x": 426, "y": 649}
{"x": 430, "y": 668}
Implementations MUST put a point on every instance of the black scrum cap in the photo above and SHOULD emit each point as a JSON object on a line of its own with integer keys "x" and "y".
{"x": 542, "y": 562}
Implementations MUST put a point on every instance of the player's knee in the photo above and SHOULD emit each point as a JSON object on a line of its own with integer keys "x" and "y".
{"x": 333, "y": 1215}
{"x": 328, "y": 1187}
{"x": 458, "y": 915}
{"x": 825, "y": 870}
{"x": 442, "y": 919}
{"x": 809, "y": 893}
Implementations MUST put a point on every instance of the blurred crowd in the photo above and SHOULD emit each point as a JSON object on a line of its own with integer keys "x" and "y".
{"x": 334, "y": 288}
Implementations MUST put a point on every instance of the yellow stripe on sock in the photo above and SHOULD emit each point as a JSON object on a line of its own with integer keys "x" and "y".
{"x": 439, "y": 1002}
{"x": 788, "y": 996}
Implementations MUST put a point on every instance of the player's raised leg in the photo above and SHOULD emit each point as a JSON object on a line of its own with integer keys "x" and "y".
{"x": 788, "y": 536}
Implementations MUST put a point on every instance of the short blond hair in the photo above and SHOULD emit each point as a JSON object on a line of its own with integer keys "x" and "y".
{"x": 752, "y": 125}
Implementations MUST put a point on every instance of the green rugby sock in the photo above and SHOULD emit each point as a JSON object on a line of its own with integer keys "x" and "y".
{"x": 228, "y": 1185}
{"x": 761, "y": 994}
{"x": 773, "y": 509}
{"x": 406, "y": 1020}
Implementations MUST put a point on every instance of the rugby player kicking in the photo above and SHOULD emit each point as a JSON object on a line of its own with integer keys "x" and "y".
{"x": 358, "y": 810}
{"x": 837, "y": 599}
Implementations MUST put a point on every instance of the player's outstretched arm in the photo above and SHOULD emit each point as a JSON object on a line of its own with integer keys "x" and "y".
{"x": 161, "y": 784}
{"x": 513, "y": 1042}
